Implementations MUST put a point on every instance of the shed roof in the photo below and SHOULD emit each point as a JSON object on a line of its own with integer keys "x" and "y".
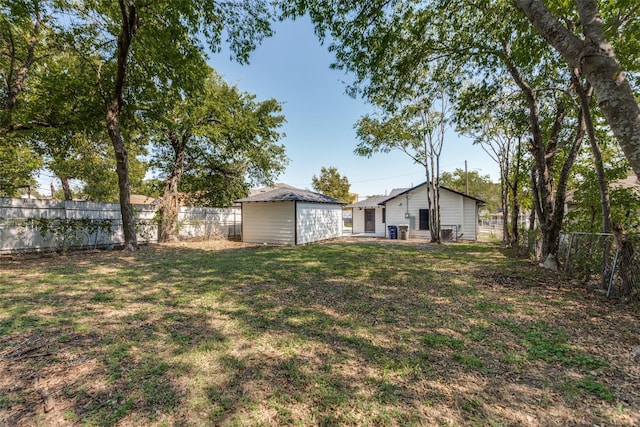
{"x": 291, "y": 194}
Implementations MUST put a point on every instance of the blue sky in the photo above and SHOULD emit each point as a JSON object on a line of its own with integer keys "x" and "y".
{"x": 293, "y": 67}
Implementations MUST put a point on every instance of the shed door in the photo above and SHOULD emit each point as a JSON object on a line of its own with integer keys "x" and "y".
{"x": 369, "y": 220}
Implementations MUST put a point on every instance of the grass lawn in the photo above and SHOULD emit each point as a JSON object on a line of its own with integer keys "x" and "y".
{"x": 370, "y": 333}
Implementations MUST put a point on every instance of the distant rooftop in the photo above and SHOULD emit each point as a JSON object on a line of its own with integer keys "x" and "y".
{"x": 374, "y": 201}
{"x": 284, "y": 193}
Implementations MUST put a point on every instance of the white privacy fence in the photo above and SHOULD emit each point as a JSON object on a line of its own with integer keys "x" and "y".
{"x": 28, "y": 225}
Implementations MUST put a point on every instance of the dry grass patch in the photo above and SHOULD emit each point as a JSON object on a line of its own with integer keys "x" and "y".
{"x": 373, "y": 333}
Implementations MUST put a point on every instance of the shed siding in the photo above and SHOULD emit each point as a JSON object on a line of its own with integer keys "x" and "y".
{"x": 318, "y": 222}
{"x": 268, "y": 222}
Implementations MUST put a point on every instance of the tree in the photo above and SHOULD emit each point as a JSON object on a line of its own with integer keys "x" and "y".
{"x": 157, "y": 46}
{"x": 393, "y": 46}
{"x": 416, "y": 129}
{"x": 593, "y": 56}
{"x": 586, "y": 206}
{"x": 332, "y": 184}
{"x": 214, "y": 143}
{"x": 480, "y": 186}
{"x": 25, "y": 41}
{"x": 23, "y": 44}
{"x": 500, "y": 126}
{"x": 17, "y": 166}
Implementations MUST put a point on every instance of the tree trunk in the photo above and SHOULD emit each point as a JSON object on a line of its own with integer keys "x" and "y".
{"x": 626, "y": 267}
{"x": 504, "y": 193}
{"x": 552, "y": 235}
{"x": 549, "y": 204}
{"x": 595, "y": 58}
{"x": 597, "y": 156}
{"x": 127, "y": 32}
{"x": 515, "y": 216}
{"x": 66, "y": 188}
{"x": 514, "y": 186}
{"x": 169, "y": 208}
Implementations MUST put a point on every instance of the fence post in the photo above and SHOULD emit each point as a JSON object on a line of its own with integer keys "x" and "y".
{"x": 613, "y": 272}
{"x": 566, "y": 263}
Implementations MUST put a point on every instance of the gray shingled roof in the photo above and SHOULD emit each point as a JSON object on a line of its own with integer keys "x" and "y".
{"x": 374, "y": 201}
{"x": 290, "y": 194}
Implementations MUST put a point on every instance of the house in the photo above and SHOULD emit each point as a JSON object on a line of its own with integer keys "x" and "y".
{"x": 368, "y": 216}
{"x": 290, "y": 216}
{"x": 458, "y": 213}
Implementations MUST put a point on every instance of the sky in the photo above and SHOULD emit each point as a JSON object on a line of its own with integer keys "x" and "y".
{"x": 294, "y": 68}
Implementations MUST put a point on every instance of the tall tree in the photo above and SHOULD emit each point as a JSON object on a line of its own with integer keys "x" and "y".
{"x": 480, "y": 186}
{"x": 417, "y": 129}
{"x": 212, "y": 145}
{"x": 391, "y": 46}
{"x": 499, "y": 124}
{"x": 589, "y": 49}
{"x": 157, "y": 45}
{"x": 23, "y": 43}
{"x": 332, "y": 184}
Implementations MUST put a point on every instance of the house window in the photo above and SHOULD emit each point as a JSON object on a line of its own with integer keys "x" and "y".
{"x": 424, "y": 219}
{"x": 384, "y": 215}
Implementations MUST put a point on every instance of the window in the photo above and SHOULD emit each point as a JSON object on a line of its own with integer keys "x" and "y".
{"x": 384, "y": 215}
{"x": 424, "y": 219}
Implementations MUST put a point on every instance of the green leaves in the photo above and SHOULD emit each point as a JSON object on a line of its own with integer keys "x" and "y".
{"x": 332, "y": 184}
{"x": 228, "y": 141}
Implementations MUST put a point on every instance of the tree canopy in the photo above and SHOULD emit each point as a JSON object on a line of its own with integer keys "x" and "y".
{"x": 332, "y": 184}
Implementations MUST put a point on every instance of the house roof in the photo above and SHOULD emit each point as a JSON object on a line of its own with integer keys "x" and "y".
{"x": 374, "y": 201}
{"x": 478, "y": 201}
{"x": 290, "y": 194}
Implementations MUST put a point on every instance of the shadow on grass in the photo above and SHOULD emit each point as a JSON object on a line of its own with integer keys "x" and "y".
{"x": 321, "y": 334}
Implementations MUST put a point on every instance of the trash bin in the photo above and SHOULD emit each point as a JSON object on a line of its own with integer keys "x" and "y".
{"x": 404, "y": 231}
{"x": 393, "y": 231}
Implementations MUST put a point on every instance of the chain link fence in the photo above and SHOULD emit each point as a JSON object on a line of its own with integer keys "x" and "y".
{"x": 595, "y": 258}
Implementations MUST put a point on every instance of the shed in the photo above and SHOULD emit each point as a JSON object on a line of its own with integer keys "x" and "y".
{"x": 290, "y": 216}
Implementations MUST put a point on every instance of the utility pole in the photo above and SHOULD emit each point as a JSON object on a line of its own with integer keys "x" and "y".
{"x": 466, "y": 178}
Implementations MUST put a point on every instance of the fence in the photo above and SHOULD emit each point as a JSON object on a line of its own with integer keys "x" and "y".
{"x": 449, "y": 233}
{"x": 28, "y": 225}
{"x": 595, "y": 258}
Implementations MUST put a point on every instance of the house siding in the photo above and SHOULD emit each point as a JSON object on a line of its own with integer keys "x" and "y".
{"x": 268, "y": 222}
{"x": 318, "y": 222}
{"x": 358, "y": 220}
{"x": 455, "y": 210}
{"x": 470, "y": 225}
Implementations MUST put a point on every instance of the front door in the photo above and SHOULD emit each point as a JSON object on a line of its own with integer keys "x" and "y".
{"x": 369, "y": 220}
